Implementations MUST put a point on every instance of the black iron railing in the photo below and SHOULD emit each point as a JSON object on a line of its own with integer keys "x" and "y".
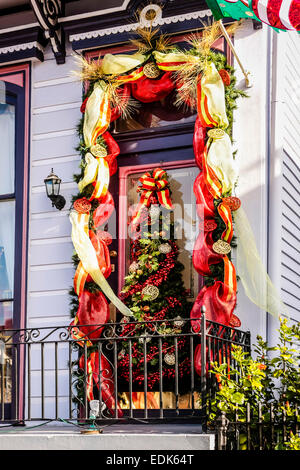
{"x": 52, "y": 374}
{"x": 265, "y": 427}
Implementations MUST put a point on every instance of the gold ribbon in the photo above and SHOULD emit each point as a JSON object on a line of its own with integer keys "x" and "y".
{"x": 211, "y": 98}
{"x": 171, "y": 61}
{"x": 220, "y": 159}
{"x": 97, "y": 114}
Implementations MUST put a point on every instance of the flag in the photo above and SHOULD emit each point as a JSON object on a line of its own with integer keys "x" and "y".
{"x": 279, "y": 14}
{"x": 236, "y": 9}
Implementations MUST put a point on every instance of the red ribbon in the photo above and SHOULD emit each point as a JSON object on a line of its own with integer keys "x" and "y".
{"x": 106, "y": 381}
{"x": 148, "y": 90}
{"x": 153, "y": 185}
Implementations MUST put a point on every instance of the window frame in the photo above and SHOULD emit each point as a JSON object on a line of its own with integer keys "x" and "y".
{"x": 15, "y": 95}
{"x": 17, "y": 79}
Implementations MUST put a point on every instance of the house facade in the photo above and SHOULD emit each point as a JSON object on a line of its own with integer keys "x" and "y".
{"x": 40, "y": 102}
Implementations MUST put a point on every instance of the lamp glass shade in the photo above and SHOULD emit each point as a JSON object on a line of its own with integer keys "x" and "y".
{"x": 52, "y": 183}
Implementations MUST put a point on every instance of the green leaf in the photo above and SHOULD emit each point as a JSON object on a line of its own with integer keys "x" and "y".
{"x": 238, "y": 398}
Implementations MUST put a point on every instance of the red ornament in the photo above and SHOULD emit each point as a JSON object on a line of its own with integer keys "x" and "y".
{"x": 209, "y": 225}
{"x": 235, "y": 322}
{"x": 234, "y": 203}
{"x": 225, "y": 77}
{"x": 83, "y": 206}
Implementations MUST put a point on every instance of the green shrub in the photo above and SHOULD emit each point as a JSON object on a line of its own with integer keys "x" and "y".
{"x": 263, "y": 389}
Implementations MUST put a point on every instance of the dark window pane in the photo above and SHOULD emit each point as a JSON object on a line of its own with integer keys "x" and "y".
{"x": 7, "y": 248}
{"x": 155, "y": 115}
{"x": 184, "y": 214}
{"x": 6, "y": 314}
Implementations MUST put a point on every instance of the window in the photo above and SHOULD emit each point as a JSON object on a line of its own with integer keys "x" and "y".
{"x": 7, "y": 209}
{"x": 13, "y": 228}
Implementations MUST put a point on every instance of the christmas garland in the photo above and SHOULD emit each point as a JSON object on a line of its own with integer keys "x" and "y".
{"x": 203, "y": 81}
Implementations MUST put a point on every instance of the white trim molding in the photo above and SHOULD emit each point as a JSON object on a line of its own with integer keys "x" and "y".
{"x": 133, "y": 26}
{"x": 21, "y": 47}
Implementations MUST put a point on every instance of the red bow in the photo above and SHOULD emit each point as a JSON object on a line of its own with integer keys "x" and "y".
{"x": 154, "y": 184}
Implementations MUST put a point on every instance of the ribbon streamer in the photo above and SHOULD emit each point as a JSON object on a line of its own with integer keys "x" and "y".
{"x": 169, "y": 62}
{"x": 88, "y": 257}
{"x": 97, "y": 114}
{"x": 104, "y": 381}
{"x": 210, "y": 99}
{"x": 254, "y": 277}
{"x": 220, "y": 160}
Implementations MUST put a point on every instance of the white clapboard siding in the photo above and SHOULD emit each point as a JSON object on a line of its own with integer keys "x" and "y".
{"x": 55, "y": 113}
{"x": 290, "y": 220}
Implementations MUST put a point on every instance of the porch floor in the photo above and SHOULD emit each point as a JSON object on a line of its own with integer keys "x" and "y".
{"x": 114, "y": 437}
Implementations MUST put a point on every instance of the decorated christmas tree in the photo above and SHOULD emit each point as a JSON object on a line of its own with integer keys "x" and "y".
{"x": 154, "y": 291}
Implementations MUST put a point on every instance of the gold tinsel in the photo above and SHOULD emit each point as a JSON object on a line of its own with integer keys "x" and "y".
{"x": 88, "y": 70}
{"x": 150, "y": 39}
{"x": 188, "y": 74}
{"x": 92, "y": 71}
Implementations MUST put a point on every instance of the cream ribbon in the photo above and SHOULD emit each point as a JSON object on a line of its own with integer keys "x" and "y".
{"x": 220, "y": 159}
{"x": 90, "y": 171}
{"x": 213, "y": 87}
{"x": 86, "y": 252}
{"x": 93, "y": 114}
{"x": 162, "y": 57}
{"x": 121, "y": 63}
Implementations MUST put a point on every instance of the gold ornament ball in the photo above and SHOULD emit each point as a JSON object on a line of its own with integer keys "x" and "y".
{"x": 133, "y": 267}
{"x": 169, "y": 359}
{"x": 221, "y": 247}
{"x": 165, "y": 248}
{"x": 98, "y": 150}
{"x": 216, "y": 133}
{"x": 178, "y": 322}
{"x": 139, "y": 272}
{"x": 151, "y": 70}
{"x": 151, "y": 291}
{"x": 146, "y": 308}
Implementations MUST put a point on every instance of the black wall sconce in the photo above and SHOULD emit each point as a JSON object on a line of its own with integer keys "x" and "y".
{"x": 52, "y": 183}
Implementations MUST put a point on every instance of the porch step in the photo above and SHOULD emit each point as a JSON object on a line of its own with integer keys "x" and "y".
{"x": 114, "y": 437}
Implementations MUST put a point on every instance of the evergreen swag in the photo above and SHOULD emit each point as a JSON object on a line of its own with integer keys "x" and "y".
{"x": 173, "y": 288}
